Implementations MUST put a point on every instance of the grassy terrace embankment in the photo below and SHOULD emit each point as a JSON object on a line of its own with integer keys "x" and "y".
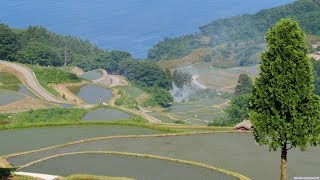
{"x": 58, "y": 117}
{"x": 48, "y": 75}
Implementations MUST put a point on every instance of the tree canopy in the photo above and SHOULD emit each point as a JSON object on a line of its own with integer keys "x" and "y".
{"x": 39, "y": 53}
{"x": 316, "y": 75}
{"x": 181, "y": 79}
{"x": 238, "y": 109}
{"x": 244, "y": 85}
{"x": 9, "y": 43}
{"x": 284, "y": 108}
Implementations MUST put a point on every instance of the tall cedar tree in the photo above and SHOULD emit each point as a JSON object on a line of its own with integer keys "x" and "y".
{"x": 284, "y": 109}
{"x": 244, "y": 85}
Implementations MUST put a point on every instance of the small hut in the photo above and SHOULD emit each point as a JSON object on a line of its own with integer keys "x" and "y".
{"x": 244, "y": 125}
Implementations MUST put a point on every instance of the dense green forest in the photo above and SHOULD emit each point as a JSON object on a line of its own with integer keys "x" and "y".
{"x": 36, "y": 45}
{"x": 237, "y": 41}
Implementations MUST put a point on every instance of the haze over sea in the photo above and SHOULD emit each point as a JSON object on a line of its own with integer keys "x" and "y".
{"x": 129, "y": 25}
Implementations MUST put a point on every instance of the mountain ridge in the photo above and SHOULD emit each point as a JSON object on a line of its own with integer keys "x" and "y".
{"x": 238, "y": 41}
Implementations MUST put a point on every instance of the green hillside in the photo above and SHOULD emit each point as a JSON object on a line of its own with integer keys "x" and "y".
{"x": 37, "y": 45}
{"x": 237, "y": 41}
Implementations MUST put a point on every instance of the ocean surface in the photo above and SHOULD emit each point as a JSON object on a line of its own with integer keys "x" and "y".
{"x": 129, "y": 25}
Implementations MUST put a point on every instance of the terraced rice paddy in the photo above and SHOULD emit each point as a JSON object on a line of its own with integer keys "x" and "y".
{"x": 91, "y": 93}
{"x": 34, "y": 138}
{"x": 121, "y": 165}
{"x": 12, "y": 83}
{"x": 105, "y": 114}
{"x": 194, "y": 112}
{"x": 92, "y": 75}
{"x": 219, "y": 79}
{"x": 7, "y": 97}
{"x": 7, "y": 78}
{"x": 231, "y": 151}
{"x": 163, "y": 117}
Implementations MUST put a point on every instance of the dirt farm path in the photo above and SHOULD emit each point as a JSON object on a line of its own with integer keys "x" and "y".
{"x": 141, "y": 113}
{"x": 195, "y": 81}
{"x": 29, "y": 78}
{"x": 110, "y": 80}
{"x": 63, "y": 90}
{"x": 36, "y": 175}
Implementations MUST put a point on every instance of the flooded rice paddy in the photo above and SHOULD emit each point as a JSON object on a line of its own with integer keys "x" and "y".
{"x": 35, "y": 138}
{"x": 92, "y": 75}
{"x": 123, "y": 166}
{"x": 12, "y": 83}
{"x": 7, "y": 97}
{"x": 193, "y": 112}
{"x": 219, "y": 79}
{"x": 91, "y": 93}
{"x": 232, "y": 151}
{"x": 105, "y": 114}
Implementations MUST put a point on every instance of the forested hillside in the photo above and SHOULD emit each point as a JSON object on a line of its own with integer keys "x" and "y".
{"x": 237, "y": 41}
{"x": 36, "y": 45}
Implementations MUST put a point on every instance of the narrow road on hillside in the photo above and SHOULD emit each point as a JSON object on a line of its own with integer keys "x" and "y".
{"x": 109, "y": 80}
{"x": 195, "y": 81}
{"x": 104, "y": 79}
{"x": 29, "y": 78}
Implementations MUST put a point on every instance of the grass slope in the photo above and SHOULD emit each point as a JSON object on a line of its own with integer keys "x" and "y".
{"x": 48, "y": 75}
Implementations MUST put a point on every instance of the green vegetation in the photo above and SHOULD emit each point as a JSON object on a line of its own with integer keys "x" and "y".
{"x": 38, "y": 53}
{"x": 131, "y": 91}
{"x": 174, "y": 48}
{"x": 58, "y": 117}
{"x": 46, "y": 116}
{"x": 126, "y": 100}
{"x": 237, "y": 41}
{"x": 221, "y": 122}
{"x": 36, "y": 45}
{"x": 145, "y": 74}
{"x": 159, "y": 96}
{"x": 238, "y": 110}
{"x": 48, "y": 75}
{"x": 244, "y": 85}
{"x": 8, "y": 43}
{"x": 181, "y": 79}
{"x": 3, "y": 117}
{"x": 54, "y": 75}
{"x": 8, "y": 79}
{"x": 316, "y": 75}
{"x": 5, "y": 173}
{"x": 284, "y": 109}
{"x": 179, "y": 122}
{"x": 110, "y": 61}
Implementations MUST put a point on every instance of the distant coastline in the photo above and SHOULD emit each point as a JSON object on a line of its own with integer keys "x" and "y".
{"x": 133, "y": 27}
